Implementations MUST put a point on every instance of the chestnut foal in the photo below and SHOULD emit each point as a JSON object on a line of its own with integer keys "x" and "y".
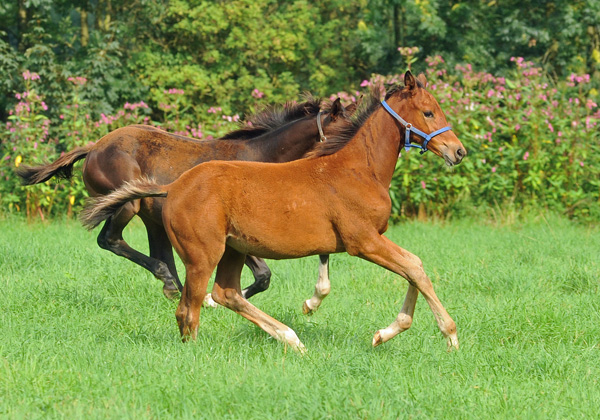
{"x": 278, "y": 134}
{"x": 335, "y": 201}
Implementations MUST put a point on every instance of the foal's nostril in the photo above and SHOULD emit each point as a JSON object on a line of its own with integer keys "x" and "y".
{"x": 460, "y": 152}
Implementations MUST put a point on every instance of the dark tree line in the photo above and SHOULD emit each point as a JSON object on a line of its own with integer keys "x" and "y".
{"x": 220, "y": 51}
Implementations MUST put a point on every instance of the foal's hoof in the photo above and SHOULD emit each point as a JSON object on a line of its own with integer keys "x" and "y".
{"x": 209, "y": 302}
{"x": 171, "y": 292}
{"x": 306, "y": 310}
{"x": 377, "y": 340}
{"x": 453, "y": 342}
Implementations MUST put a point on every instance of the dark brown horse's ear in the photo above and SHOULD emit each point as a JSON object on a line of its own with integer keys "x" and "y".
{"x": 337, "y": 109}
{"x": 409, "y": 80}
{"x": 351, "y": 108}
{"x": 422, "y": 79}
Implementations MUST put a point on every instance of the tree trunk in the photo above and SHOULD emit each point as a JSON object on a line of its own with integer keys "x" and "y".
{"x": 21, "y": 24}
{"x": 85, "y": 29}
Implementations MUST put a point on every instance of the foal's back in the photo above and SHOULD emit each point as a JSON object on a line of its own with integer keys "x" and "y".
{"x": 275, "y": 210}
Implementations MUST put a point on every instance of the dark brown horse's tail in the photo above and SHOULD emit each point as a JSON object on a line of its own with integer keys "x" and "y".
{"x": 62, "y": 167}
{"x": 98, "y": 209}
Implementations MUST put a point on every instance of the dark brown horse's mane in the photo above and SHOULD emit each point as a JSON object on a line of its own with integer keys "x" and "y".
{"x": 276, "y": 116}
{"x": 342, "y": 135}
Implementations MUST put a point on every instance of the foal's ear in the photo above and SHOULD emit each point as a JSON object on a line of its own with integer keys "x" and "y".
{"x": 409, "y": 80}
{"x": 422, "y": 79}
{"x": 337, "y": 109}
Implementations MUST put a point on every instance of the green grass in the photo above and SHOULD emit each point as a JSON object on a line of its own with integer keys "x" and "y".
{"x": 86, "y": 334}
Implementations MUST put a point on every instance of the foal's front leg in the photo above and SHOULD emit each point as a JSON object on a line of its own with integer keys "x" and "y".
{"x": 322, "y": 288}
{"x": 387, "y": 254}
{"x": 402, "y": 322}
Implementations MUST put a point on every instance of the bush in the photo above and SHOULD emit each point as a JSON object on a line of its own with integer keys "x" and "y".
{"x": 532, "y": 143}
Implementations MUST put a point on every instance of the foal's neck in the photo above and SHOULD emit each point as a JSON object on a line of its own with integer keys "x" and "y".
{"x": 375, "y": 147}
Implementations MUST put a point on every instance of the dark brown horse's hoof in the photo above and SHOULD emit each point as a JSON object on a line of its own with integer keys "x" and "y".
{"x": 171, "y": 294}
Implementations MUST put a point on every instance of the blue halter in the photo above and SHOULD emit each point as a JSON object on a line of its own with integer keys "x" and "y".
{"x": 409, "y": 127}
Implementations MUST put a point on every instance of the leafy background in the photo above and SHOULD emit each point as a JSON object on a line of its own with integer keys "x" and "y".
{"x": 518, "y": 81}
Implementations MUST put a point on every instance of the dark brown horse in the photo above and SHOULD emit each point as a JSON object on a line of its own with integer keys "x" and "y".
{"x": 278, "y": 134}
{"x": 336, "y": 201}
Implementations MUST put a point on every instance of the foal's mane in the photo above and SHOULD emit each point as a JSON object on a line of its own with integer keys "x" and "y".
{"x": 276, "y": 116}
{"x": 341, "y": 135}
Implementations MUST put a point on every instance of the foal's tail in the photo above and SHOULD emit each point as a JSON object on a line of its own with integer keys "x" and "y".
{"x": 62, "y": 167}
{"x": 98, "y": 209}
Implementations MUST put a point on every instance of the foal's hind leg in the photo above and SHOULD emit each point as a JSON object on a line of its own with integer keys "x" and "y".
{"x": 387, "y": 254}
{"x": 111, "y": 239}
{"x": 262, "y": 279}
{"x": 322, "y": 287}
{"x": 226, "y": 292}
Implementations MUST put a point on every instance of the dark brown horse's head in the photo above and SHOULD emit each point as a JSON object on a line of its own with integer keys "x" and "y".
{"x": 419, "y": 109}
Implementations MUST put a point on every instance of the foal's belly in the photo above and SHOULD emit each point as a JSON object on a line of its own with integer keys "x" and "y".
{"x": 284, "y": 240}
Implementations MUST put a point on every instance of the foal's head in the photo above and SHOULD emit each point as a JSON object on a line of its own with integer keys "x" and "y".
{"x": 419, "y": 108}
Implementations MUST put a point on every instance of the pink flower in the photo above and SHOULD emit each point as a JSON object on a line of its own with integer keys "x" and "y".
{"x": 423, "y": 184}
{"x": 77, "y": 80}
{"x": 493, "y": 169}
{"x": 27, "y": 75}
{"x": 257, "y": 94}
{"x": 581, "y": 164}
{"x": 174, "y": 91}
{"x": 483, "y": 161}
{"x": 365, "y": 83}
{"x": 526, "y": 155}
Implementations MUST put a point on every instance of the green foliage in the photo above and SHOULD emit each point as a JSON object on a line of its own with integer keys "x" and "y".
{"x": 196, "y": 67}
{"x": 223, "y": 51}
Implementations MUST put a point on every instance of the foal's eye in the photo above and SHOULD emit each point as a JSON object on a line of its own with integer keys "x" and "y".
{"x": 428, "y": 114}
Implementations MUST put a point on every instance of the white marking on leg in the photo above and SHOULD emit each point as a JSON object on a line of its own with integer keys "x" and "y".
{"x": 290, "y": 337}
{"x": 322, "y": 289}
{"x": 208, "y": 301}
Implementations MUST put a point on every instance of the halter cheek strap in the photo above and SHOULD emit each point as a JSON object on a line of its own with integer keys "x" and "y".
{"x": 320, "y": 127}
{"x": 410, "y": 128}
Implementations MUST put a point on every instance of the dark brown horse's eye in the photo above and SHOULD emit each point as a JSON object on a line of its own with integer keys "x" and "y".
{"x": 428, "y": 114}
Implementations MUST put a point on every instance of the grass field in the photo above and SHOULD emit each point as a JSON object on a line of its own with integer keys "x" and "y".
{"x": 86, "y": 334}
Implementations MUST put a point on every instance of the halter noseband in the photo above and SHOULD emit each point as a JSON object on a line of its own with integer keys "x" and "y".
{"x": 321, "y": 134}
{"x": 409, "y": 127}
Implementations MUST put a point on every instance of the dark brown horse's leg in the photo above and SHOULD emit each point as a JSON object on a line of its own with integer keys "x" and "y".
{"x": 226, "y": 292}
{"x": 161, "y": 250}
{"x": 322, "y": 288}
{"x": 387, "y": 254}
{"x": 111, "y": 239}
{"x": 262, "y": 276}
